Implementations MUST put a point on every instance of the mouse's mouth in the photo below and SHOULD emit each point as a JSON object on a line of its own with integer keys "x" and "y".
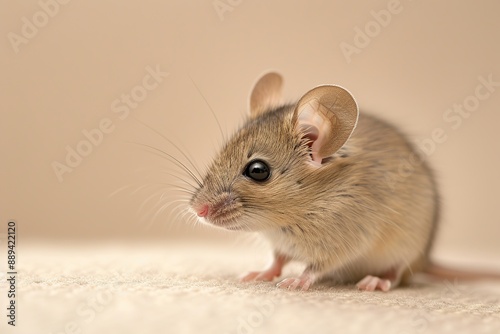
{"x": 225, "y": 212}
{"x": 226, "y": 224}
{"x": 223, "y": 217}
{"x": 228, "y": 220}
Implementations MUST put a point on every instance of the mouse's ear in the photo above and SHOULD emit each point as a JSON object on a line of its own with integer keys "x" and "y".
{"x": 266, "y": 93}
{"x": 327, "y": 116}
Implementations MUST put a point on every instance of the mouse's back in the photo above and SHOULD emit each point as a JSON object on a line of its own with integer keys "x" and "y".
{"x": 391, "y": 198}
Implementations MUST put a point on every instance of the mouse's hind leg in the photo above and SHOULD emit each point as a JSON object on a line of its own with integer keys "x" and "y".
{"x": 385, "y": 282}
{"x": 274, "y": 270}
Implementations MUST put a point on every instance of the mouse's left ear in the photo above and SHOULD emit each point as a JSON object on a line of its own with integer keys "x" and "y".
{"x": 327, "y": 116}
{"x": 266, "y": 93}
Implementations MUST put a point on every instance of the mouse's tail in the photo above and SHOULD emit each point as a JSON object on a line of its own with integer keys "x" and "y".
{"x": 442, "y": 272}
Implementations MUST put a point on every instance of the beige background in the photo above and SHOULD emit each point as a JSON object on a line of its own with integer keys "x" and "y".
{"x": 66, "y": 77}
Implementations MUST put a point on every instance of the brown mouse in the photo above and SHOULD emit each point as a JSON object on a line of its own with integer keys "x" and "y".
{"x": 315, "y": 178}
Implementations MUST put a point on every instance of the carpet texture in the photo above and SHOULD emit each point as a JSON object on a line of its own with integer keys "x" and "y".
{"x": 188, "y": 288}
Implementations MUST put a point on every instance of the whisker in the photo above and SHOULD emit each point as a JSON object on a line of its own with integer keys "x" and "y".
{"x": 162, "y": 208}
{"x": 172, "y": 159}
{"x": 139, "y": 188}
{"x": 182, "y": 212}
{"x": 141, "y": 207}
{"x": 114, "y": 193}
{"x": 169, "y": 173}
{"x": 171, "y": 143}
{"x": 170, "y": 202}
{"x": 210, "y": 107}
{"x": 180, "y": 179}
{"x": 167, "y": 203}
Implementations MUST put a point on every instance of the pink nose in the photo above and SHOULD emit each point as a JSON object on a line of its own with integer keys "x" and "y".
{"x": 203, "y": 211}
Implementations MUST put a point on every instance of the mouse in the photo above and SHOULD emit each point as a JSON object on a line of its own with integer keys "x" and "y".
{"x": 323, "y": 183}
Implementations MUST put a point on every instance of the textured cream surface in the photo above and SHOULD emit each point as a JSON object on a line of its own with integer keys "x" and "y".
{"x": 188, "y": 288}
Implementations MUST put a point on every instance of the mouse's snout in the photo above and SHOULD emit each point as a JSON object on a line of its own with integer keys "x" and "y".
{"x": 223, "y": 210}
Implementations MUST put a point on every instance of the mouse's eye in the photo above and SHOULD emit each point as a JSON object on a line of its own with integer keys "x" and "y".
{"x": 257, "y": 170}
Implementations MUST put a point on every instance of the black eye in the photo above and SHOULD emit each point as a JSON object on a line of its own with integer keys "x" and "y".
{"x": 257, "y": 170}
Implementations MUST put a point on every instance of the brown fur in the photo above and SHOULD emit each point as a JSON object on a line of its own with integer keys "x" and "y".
{"x": 358, "y": 213}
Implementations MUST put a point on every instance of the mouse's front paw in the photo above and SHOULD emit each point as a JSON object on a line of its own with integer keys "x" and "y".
{"x": 303, "y": 283}
{"x": 372, "y": 283}
{"x": 259, "y": 276}
{"x": 270, "y": 273}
